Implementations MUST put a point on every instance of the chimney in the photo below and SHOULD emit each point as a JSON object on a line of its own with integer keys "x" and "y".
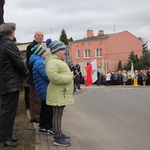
{"x": 101, "y": 32}
{"x": 90, "y": 33}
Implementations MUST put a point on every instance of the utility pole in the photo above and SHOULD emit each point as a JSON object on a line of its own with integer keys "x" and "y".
{"x": 114, "y": 28}
{"x": 51, "y": 33}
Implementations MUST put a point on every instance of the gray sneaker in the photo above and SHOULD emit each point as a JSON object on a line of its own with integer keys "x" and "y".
{"x": 61, "y": 142}
{"x": 50, "y": 131}
{"x": 67, "y": 138}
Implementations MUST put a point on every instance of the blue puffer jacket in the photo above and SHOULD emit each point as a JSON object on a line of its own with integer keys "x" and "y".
{"x": 39, "y": 75}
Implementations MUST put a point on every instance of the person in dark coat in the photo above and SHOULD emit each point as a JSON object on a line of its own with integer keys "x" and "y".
{"x": 35, "y": 105}
{"x": 79, "y": 77}
{"x": 148, "y": 75}
{"x": 12, "y": 72}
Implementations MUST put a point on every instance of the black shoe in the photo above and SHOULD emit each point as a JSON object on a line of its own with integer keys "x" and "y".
{"x": 36, "y": 121}
{"x": 27, "y": 107}
{"x": 10, "y": 143}
{"x": 14, "y": 140}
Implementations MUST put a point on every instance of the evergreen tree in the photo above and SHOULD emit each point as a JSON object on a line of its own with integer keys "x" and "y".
{"x": 71, "y": 39}
{"x": 63, "y": 37}
{"x": 145, "y": 60}
{"x": 119, "y": 65}
{"x": 142, "y": 63}
{"x": 144, "y": 46}
{"x": 132, "y": 57}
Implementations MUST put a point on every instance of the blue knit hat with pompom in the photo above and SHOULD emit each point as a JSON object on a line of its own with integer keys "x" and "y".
{"x": 48, "y": 41}
{"x": 55, "y": 46}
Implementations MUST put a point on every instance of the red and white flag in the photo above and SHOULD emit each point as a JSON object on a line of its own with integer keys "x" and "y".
{"x": 91, "y": 70}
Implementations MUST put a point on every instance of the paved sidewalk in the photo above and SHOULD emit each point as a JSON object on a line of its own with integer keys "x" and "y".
{"x": 45, "y": 142}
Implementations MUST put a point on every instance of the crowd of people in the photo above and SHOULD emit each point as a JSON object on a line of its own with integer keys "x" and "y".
{"x": 46, "y": 79}
{"x": 123, "y": 78}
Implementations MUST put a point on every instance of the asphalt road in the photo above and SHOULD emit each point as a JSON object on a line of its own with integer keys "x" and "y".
{"x": 109, "y": 118}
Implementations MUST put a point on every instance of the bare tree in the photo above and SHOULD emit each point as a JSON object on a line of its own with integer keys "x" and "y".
{"x": 2, "y": 2}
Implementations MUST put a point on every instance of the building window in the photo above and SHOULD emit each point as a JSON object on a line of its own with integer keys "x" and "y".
{"x": 87, "y": 53}
{"x": 76, "y": 44}
{"x": 77, "y": 54}
{"x": 98, "y": 52}
{"x": 88, "y": 43}
{"x": 100, "y": 42}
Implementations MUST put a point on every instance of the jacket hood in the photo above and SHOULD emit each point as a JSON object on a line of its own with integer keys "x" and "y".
{"x": 33, "y": 58}
{"x": 3, "y": 38}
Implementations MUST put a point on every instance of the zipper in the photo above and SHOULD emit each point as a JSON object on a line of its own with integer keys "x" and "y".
{"x": 64, "y": 92}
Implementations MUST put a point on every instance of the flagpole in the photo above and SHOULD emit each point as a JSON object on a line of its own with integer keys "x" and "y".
{"x": 77, "y": 74}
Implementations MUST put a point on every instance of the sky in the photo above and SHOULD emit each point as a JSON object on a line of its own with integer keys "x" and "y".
{"x": 76, "y": 17}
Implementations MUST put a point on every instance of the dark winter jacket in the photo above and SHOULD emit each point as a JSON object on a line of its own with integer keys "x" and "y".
{"x": 28, "y": 54}
{"x": 12, "y": 67}
{"x": 41, "y": 80}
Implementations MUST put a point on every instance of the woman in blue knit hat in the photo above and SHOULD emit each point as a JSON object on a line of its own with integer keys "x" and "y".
{"x": 60, "y": 89}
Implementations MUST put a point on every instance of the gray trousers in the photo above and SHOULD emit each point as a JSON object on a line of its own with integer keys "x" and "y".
{"x": 8, "y": 113}
{"x": 57, "y": 117}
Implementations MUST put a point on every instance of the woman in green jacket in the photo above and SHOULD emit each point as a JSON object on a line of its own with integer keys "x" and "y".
{"x": 60, "y": 88}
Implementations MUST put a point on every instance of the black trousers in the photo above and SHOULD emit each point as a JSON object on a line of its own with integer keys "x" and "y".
{"x": 8, "y": 113}
{"x": 46, "y": 116}
{"x": 27, "y": 97}
{"x": 0, "y": 102}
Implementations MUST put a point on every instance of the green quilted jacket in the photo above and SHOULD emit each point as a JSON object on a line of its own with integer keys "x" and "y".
{"x": 60, "y": 88}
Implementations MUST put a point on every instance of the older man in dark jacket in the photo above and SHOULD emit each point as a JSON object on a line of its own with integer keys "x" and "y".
{"x": 12, "y": 72}
{"x": 35, "y": 104}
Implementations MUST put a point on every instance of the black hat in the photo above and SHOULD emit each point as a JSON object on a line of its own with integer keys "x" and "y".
{"x": 7, "y": 28}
